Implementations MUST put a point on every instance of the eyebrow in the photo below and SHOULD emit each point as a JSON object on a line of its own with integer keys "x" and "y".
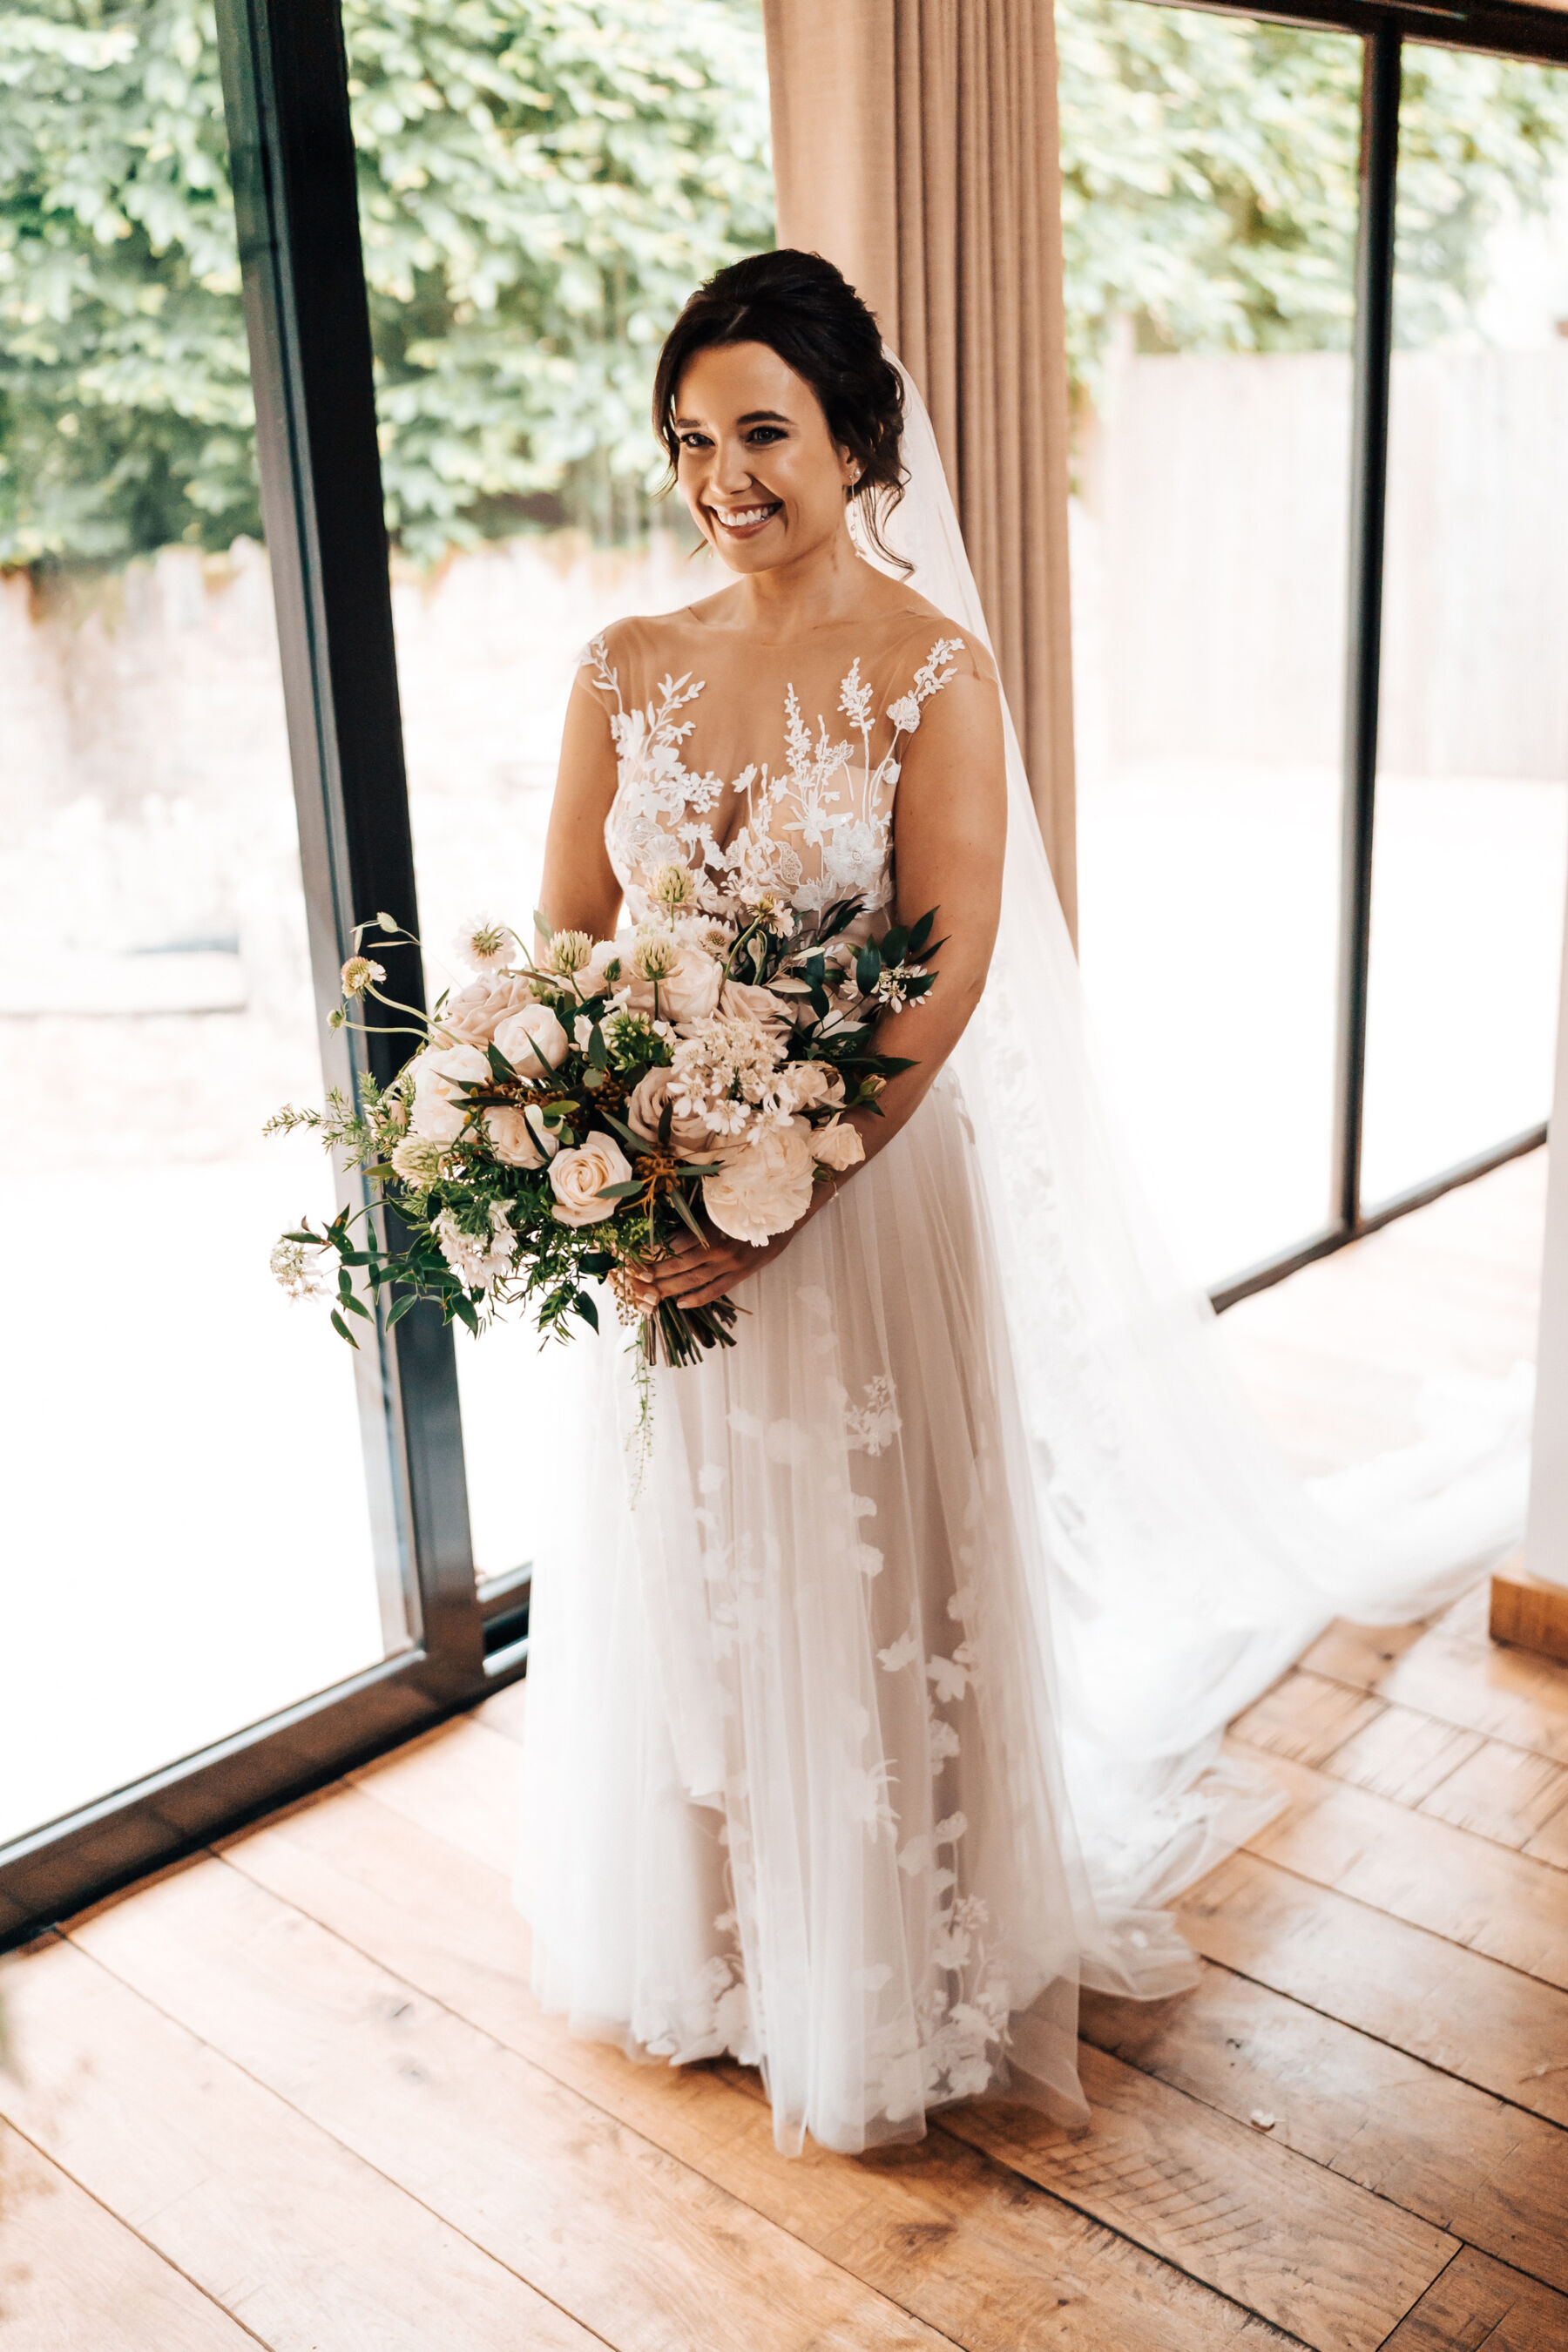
{"x": 751, "y": 416}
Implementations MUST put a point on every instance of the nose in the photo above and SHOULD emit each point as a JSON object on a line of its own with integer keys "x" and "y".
{"x": 732, "y": 469}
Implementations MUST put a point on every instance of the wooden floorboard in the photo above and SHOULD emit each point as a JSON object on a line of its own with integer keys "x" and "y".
{"x": 311, "y": 2247}
{"x": 1476, "y": 2304}
{"x": 297, "y": 2094}
{"x": 72, "y": 2275}
{"x": 963, "y": 2244}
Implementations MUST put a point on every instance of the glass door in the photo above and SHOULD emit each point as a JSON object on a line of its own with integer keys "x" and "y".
{"x": 195, "y": 1537}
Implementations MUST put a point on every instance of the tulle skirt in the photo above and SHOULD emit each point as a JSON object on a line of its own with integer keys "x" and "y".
{"x": 794, "y": 1789}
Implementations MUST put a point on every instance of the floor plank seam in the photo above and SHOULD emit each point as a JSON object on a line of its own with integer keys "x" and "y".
{"x": 1456, "y": 2256}
{"x": 121, "y": 2221}
{"x": 1450, "y": 2074}
{"x": 1493, "y": 1846}
{"x": 1418, "y": 1926}
{"x": 354, "y": 2154}
{"x": 1300, "y": 2155}
{"x": 1170, "y": 2261}
{"x": 473, "y": 2025}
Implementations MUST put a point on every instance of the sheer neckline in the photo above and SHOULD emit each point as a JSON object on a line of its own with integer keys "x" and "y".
{"x": 852, "y": 627}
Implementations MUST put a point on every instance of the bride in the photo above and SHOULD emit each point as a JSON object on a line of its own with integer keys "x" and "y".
{"x": 876, "y": 1710}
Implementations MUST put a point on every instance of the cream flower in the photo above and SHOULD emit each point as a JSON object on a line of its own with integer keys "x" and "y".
{"x": 838, "y": 1146}
{"x": 519, "y": 1138}
{"x": 764, "y": 1190}
{"x": 905, "y": 714}
{"x": 484, "y": 944}
{"x": 810, "y": 1086}
{"x": 593, "y": 978}
{"x": 577, "y": 1177}
{"x": 568, "y": 953}
{"x": 690, "y": 1137}
{"x": 296, "y": 1272}
{"x": 358, "y": 974}
{"x": 532, "y": 1041}
{"x": 739, "y": 998}
{"x": 472, "y": 1016}
{"x": 436, "y": 1111}
{"x": 672, "y": 888}
{"x": 476, "y": 1260}
{"x": 417, "y": 1161}
{"x": 688, "y": 982}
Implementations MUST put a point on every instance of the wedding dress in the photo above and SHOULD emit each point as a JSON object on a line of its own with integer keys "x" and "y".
{"x": 875, "y": 1694}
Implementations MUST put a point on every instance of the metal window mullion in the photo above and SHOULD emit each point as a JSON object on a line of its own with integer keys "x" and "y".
{"x": 286, "y": 84}
{"x": 1369, "y": 484}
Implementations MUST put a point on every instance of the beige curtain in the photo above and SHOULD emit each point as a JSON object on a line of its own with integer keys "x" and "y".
{"x": 915, "y": 144}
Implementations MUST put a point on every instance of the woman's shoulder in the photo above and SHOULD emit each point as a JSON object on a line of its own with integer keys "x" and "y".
{"x": 930, "y": 647}
{"x": 640, "y": 635}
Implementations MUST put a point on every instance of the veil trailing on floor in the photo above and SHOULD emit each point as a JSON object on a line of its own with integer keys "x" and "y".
{"x": 1189, "y": 1563}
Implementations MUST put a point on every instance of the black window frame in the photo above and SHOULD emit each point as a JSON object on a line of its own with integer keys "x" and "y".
{"x": 285, "y": 91}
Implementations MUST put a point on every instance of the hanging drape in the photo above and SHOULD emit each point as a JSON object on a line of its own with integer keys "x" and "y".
{"x": 915, "y": 144}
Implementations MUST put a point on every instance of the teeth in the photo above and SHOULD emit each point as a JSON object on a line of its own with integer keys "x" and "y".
{"x": 747, "y": 515}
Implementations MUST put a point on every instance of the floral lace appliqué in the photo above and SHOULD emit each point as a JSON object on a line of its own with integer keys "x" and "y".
{"x": 818, "y": 829}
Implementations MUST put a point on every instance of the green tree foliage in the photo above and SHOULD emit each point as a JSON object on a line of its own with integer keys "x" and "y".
{"x": 1209, "y": 178}
{"x": 542, "y": 183}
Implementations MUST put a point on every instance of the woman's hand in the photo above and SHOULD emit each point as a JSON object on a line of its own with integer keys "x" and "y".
{"x": 694, "y": 1273}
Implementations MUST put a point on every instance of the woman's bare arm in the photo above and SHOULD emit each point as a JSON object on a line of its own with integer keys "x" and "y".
{"x": 950, "y": 833}
{"x": 580, "y": 891}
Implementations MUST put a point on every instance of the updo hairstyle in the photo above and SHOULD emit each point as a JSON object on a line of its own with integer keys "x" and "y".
{"x": 804, "y": 309}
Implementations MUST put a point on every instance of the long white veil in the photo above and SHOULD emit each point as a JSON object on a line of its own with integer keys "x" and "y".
{"x": 1189, "y": 1563}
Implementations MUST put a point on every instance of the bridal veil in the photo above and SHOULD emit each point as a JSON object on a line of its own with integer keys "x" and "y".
{"x": 1189, "y": 1563}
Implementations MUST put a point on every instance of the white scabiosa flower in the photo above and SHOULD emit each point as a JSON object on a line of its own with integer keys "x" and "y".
{"x": 358, "y": 974}
{"x": 484, "y": 944}
{"x": 300, "y": 1276}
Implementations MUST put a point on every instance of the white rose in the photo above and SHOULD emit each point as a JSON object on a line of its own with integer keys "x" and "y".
{"x": 688, "y": 991}
{"x": 469, "y": 1018}
{"x": 905, "y": 714}
{"x": 810, "y": 1086}
{"x": 690, "y": 1137}
{"x": 593, "y": 980}
{"x": 532, "y": 1041}
{"x": 519, "y": 1138}
{"x": 838, "y": 1146}
{"x": 577, "y": 1177}
{"x": 764, "y": 1190}
{"x": 436, "y": 1111}
{"x": 739, "y": 999}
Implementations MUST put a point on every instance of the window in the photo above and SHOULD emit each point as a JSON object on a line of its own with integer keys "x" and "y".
{"x": 1318, "y": 304}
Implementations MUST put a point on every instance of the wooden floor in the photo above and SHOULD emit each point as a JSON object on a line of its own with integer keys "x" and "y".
{"x": 296, "y": 2092}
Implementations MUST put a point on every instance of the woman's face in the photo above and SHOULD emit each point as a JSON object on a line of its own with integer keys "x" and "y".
{"x": 758, "y": 468}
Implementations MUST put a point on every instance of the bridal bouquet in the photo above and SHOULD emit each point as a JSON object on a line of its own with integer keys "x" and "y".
{"x": 565, "y": 1118}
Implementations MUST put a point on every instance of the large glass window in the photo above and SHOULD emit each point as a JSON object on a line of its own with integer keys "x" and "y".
{"x": 595, "y": 165}
{"x": 188, "y": 1539}
{"x": 1210, "y": 204}
{"x": 1472, "y": 790}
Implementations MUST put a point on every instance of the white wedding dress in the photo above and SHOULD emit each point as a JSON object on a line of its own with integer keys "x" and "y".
{"x": 874, "y": 1706}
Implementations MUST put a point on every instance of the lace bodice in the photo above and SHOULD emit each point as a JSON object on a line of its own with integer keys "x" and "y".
{"x": 806, "y": 813}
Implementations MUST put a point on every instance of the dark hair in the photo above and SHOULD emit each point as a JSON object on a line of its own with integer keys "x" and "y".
{"x": 806, "y": 311}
